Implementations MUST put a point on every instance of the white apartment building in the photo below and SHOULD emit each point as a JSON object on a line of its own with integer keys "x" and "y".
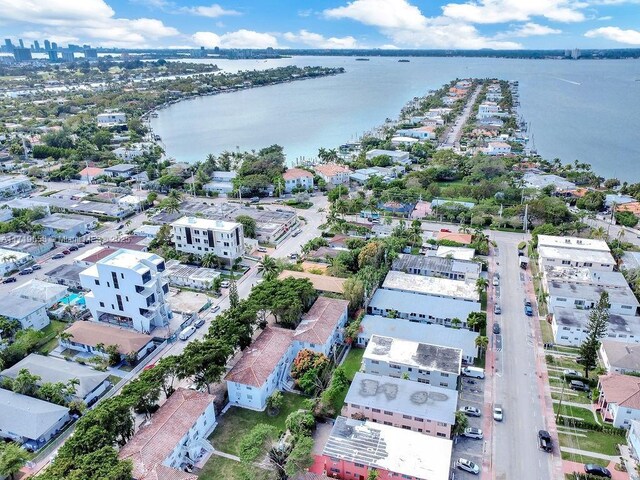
{"x": 556, "y": 251}
{"x": 297, "y": 178}
{"x": 570, "y": 327}
{"x": 110, "y": 119}
{"x": 421, "y": 362}
{"x": 201, "y": 236}
{"x": 498, "y": 148}
{"x": 488, "y": 109}
{"x": 10, "y": 185}
{"x": 128, "y": 289}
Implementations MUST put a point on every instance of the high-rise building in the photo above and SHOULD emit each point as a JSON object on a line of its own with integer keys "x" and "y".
{"x": 54, "y": 46}
{"x": 47, "y": 45}
{"x": 128, "y": 289}
{"x": 8, "y": 45}
{"x": 21, "y": 43}
{"x": 575, "y": 53}
{"x": 36, "y": 45}
{"x": 53, "y": 55}
{"x": 67, "y": 56}
{"x": 90, "y": 53}
{"x": 22, "y": 54}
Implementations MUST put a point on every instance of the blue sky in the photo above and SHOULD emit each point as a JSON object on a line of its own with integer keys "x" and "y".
{"x": 327, "y": 23}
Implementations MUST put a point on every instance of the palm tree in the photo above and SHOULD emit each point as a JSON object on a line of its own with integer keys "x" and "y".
{"x": 461, "y": 423}
{"x": 482, "y": 342}
{"x": 269, "y": 267}
{"x": 171, "y": 205}
{"x": 65, "y": 336}
{"x": 481, "y": 284}
{"x": 456, "y": 322}
{"x": 599, "y": 233}
{"x": 209, "y": 260}
{"x": 173, "y": 193}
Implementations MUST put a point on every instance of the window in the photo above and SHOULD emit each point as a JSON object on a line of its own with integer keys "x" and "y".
{"x": 386, "y": 412}
{"x": 120, "y": 306}
{"x": 566, "y": 262}
{"x": 97, "y": 282}
{"x": 102, "y": 304}
{"x": 375, "y": 410}
{"x": 627, "y": 307}
{"x": 423, "y": 380}
{"x": 375, "y": 362}
{"x": 408, "y": 417}
{"x": 418, "y": 419}
{"x": 114, "y": 277}
{"x": 397, "y": 367}
{"x": 560, "y": 299}
{"x": 444, "y": 374}
{"x": 444, "y": 384}
{"x": 440, "y": 434}
{"x": 588, "y": 264}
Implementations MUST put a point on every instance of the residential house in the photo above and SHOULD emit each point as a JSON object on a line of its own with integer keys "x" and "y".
{"x": 11, "y": 260}
{"x": 199, "y": 278}
{"x": 30, "y": 421}
{"x": 30, "y": 313}
{"x": 92, "y": 384}
{"x": 322, "y": 327}
{"x": 122, "y": 170}
{"x": 570, "y": 326}
{"x": 619, "y": 357}
{"x": 221, "y": 182}
{"x": 458, "y": 253}
{"x": 421, "y": 133}
{"x": 539, "y": 180}
{"x": 297, "y": 178}
{"x": 322, "y": 283}
{"x": 89, "y": 336}
{"x": 431, "y": 286}
{"x": 399, "y": 140}
{"x": 90, "y": 173}
{"x": 440, "y": 267}
{"x": 28, "y": 244}
{"x": 421, "y": 308}
{"x": 11, "y": 185}
{"x": 402, "y": 404}
{"x": 355, "y": 447}
{"x": 333, "y": 174}
{"x": 200, "y": 236}
{"x": 66, "y": 226}
{"x": 111, "y": 119}
{"x": 399, "y": 157}
{"x": 421, "y": 362}
{"x": 40, "y": 291}
{"x": 128, "y": 288}
{"x": 68, "y": 275}
{"x": 619, "y": 401}
{"x": 574, "y": 252}
{"x": 488, "y": 109}
{"x": 128, "y": 153}
{"x": 402, "y": 329}
{"x": 498, "y": 148}
{"x": 173, "y": 439}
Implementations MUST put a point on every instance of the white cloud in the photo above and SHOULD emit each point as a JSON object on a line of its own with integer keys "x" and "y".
{"x": 388, "y": 46}
{"x": 630, "y": 37}
{"x": 315, "y": 40}
{"x": 529, "y": 29}
{"x": 238, "y": 39}
{"x": 501, "y": 11}
{"x": 407, "y": 27}
{"x": 87, "y": 20}
{"x": 605, "y": 18}
{"x": 212, "y": 11}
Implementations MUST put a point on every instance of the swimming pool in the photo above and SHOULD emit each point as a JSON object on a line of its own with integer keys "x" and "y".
{"x": 73, "y": 299}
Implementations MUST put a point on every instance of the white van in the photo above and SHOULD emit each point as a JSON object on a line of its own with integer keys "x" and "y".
{"x": 474, "y": 372}
{"x": 187, "y": 332}
{"x": 225, "y": 284}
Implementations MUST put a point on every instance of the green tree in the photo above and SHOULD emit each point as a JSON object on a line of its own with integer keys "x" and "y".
{"x": 460, "y": 424}
{"x": 301, "y": 457}
{"x": 143, "y": 393}
{"x": 268, "y": 267}
{"x": 275, "y": 402}
{"x": 253, "y": 443}
{"x": 113, "y": 354}
{"x": 482, "y": 342}
{"x": 353, "y": 291}
{"x": 373, "y": 474}
{"x": 300, "y": 423}
{"x": 26, "y": 383}
{"x": 481, "y": 284}
{"x": 596, "y": 329}
{"x": 477, "y": 321}
{"x": 12, "y": 459}
{"x": 210, "y": 260}
{"x": 205, "y": 361}
{"x": 248, "y": 225}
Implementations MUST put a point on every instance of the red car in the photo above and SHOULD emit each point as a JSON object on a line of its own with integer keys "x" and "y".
{"x": 66, "y": 252}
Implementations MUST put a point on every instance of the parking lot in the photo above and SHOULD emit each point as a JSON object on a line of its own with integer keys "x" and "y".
{"x": 471, "y": 394}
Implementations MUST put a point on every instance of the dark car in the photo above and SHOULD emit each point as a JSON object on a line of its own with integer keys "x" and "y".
{"x": 496, "y": 328}
{"x": 26, "y": 271}
{"x": 73, "y": 248}
{"x": 544, "y": 441}
{"x": 57, "y": 256}
{"x": 36, "y": 267}
{"x": 578, "y": 385}
{"x": 10, "y": 280}
{"x": 199, "y": 323}
{"x": 120, "y": 227}
{"x": 597, "y": 470}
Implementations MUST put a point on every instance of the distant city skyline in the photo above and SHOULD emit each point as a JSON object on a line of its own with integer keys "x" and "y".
{"x": 326, "y": 24}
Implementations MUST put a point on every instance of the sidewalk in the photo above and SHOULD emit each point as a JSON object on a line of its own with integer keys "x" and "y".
{"x": 587, "y": 453}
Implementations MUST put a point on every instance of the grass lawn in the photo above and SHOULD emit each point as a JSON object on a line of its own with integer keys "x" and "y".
{"x": 580, "y": 398}
{"x": 571, "y": 411}
{"x": 547, "y": 332}
{"x": 220, "y": 467}
{"x": 566, "y": 362}
{"x": 582, "y": 459}
{"x": 238, "y": 421}
{"x": 353, "y": 361}
{"x": 593, "y": 442}
{"x": 50, "y": 338}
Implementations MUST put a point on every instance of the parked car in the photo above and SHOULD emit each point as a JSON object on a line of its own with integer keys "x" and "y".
{"x": 26, "y": 271}
{"x": 496, "y": 328}
{"x": 578, "y": 385}
{"x": 471, "y": 411}
{"x": 225, "y": 284}
{"x": 496, "y": 309}
{"x": 597, "y": 470}
{"x": 467, "y": 466}
{"x": 120, "y": 227}
{"x": 10, "y": 280}
{"x": 66, "y": 252}
{"x": 199, "y": 323}
{"x": 215, "y": 309}
{"x": 296, "y": 233}
{"x": 262, "y": 249}
{"x": 80, "y": 245}
{"x": 544, "y": 441}
{"x": 568, "y": 372}
{"x": 35, "y": 266}
{"x": 186, "y": 333}
{"x": 471, "y": 432}
{"x": 497, "y": 413}
{"x": 528, "y": 309}
{"x": 254, "y": 199}
{"x": 73, "y": 248}
{"x": 293, "y": 256}
{"x": 496, "y": 280}
{"x": 58, "y": 256}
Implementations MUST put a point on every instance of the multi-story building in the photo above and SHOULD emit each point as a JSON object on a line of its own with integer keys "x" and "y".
{"x": 128, "y": 289}
{"x": 421, "y": 362}
{"x": 200, "y": 236}
{"x": 583, "y": 296}
{"x": 10, "y": 185}
{"x": 574, "y": 252}
{"x": 450, "y": 268}
{"x": 333, "y": 174}
{"x": 355, "y": 447}
{"x": 297, "y": 178}
{"x": 570, "y": 326}
{"x": 399, "y": 403}
{"x": 619, "y": 401}
{"x": 431, "y": 286}
{"x": 111, "y": 119}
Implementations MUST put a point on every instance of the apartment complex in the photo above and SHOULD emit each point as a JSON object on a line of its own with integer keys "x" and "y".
{"x": 201, "y": 236}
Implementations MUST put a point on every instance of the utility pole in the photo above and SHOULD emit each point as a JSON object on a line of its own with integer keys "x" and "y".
{"x": 526, "y": 218}
{"x": 560, "y": 402}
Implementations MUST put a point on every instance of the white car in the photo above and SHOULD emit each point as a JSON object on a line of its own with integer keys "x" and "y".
{"x": 497, "y": 413}
{"x": 471, "y": 432}
{"x": 471, "y": 411}
{"x": 496, "y": 281}
{"x": 225, "y": 284}
{"x": 467, "y": 466}
{"x": 568, "y": 372}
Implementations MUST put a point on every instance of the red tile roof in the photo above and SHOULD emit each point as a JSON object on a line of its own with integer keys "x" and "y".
{"x": 320, "y": 321}
{"x": 261, "y": 357}
{"x": 293, "y": 173}
{"x": 464, "y": 238}
{"x": 322, "y": 283}
{"x": 331, "y": 169}
{"x": 623, "y": 390}
{"x": 155, "y": 441}
{"x": 91, "y": 171}
{"x": 98, "y": 255}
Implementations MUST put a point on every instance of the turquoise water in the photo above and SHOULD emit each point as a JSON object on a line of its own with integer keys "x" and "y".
{"x": 585, "y": 110}
{"x": 73, "y": 299}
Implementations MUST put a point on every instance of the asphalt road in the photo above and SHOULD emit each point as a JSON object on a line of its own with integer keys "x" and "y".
{"x": 517, "y": 385}
{"x": 454, "y": 133}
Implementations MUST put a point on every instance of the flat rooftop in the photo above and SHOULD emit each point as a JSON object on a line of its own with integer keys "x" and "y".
{"x": 592, "y": 293}
{"x": 398, "y": 395}
{"x": 92, "y": 333}
{"x": 585, "y": 275}
{"x": 571, "y": 255}
{"x": 411, "y": 302}
{"x": 575, "y": 243}
{"x": 18, "y": 307}
{"x": 442, "y": 287}
{"x": 205, "y": 224}
{"x": 406, "y": 262}
{"x": 414, "y": 354}
{"x": 389, "y": 448}
{"x": 579, "y": 319}
{"x": 64, "y": 221}
{"x": 459, "y": 253}
{"x": 131, "y": 259}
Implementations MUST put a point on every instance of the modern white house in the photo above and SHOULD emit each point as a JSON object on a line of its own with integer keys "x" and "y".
{"x": 173, "y": 439}
{"x": 570, "y": 327}
{"x": 402, "y": 329}
{"x": 557, "y": 251}
{"x": 488, "y": 109}
{"x": 421, "y": 308}
{"x": 30, "y": 313}
{"x": 440, "y": 267}
{"x": 619, "y": 401}
{"x": 13, "y": 184}
{"x": 333, "y": 174}
{"x": 122, "y": 170}
{"x": 128, "y": 288}
{"x": 619, "y": 357}
{"x": 421, "y": 362}
{"x": 265, "y": 364}
{"x": 421, "y": 133}
{"x": 12, "y": 260}
{"x": 40, "y": 291}
{"x": 200, "y": 236}
{"x": 498, "y": 148}
{"x": 30, "y": 421}
{"x": 397, "y": 156}
{"x": 200, "y": 278}
{"x": 92, "y": 383}
{"x": 297, "y": 178}
{"x": 221, "y": 182}
{"x": 111, "y": 119}
{"x": 401, "y": 403}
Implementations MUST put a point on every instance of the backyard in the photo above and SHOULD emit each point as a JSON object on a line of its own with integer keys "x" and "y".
{"x": 227, "y": 469}
{"x": 50, "y": 339}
